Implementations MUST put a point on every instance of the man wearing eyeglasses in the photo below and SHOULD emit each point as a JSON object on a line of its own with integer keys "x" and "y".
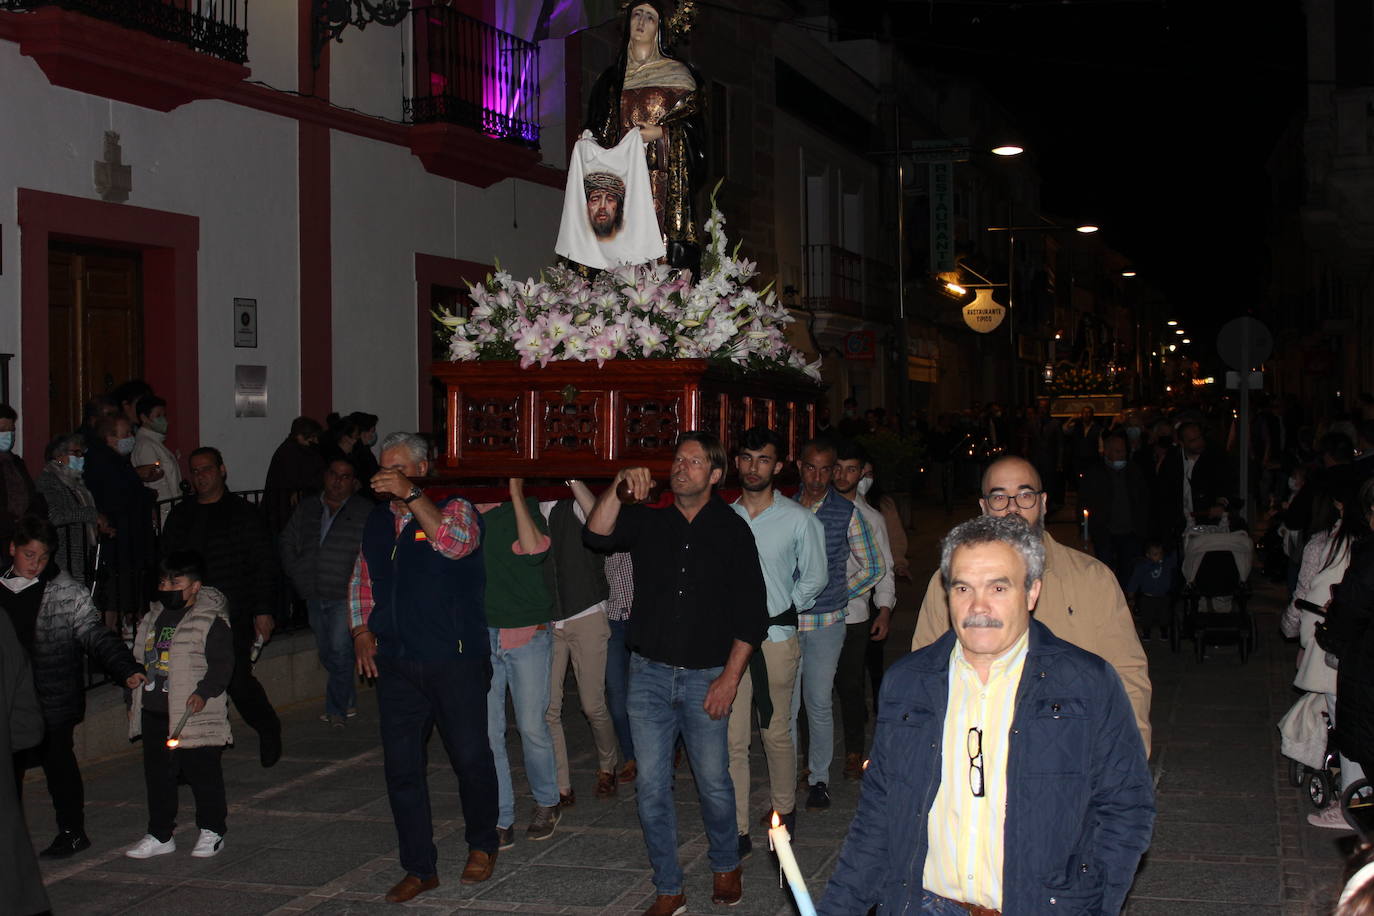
{"x": 1081, "y": 601}
{"x": 1006, "y": 774}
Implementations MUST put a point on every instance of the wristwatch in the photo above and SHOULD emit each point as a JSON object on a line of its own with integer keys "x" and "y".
{"x": 414, "y": 494}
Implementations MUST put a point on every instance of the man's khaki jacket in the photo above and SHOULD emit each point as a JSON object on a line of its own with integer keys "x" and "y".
{"x": 1082, "y": 603}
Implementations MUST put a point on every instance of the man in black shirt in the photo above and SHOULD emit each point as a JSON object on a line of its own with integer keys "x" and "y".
{"x": 232, "y": 538}
{"x": 700, "y": 609}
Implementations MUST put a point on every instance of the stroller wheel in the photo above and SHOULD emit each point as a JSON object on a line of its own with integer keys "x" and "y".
{"x": 1357, "y": 804}
{"x": 1321, "y": 789}
{"x": 1295, "y": 773}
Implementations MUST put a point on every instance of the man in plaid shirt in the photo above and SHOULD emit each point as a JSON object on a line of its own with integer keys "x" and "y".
{"x": 416, "y": 605}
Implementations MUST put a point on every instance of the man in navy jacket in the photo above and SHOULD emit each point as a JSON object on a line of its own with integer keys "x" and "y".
{"x": 1007, "y": 772}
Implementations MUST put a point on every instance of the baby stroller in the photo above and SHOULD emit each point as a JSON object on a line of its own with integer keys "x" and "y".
{"x": 1215, "y": 607}
{"x": 1309, "y": 743}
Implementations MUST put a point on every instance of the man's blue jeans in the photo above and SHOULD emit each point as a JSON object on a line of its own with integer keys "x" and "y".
{"x": 820, "y": 656}
{"x": 412, "y": 698}
{"x": 526, "y": 672}
{"x": 329, "y": 622}
{"x": 666, "y": 702}
{"x": 618, "y": 686}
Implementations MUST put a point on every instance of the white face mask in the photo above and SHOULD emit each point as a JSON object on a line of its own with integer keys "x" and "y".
{"x": 125, "y": 446}
{"x": 865, "y": 484}
{"x": 6, "y": 441}
{"x": 16, "y": 584}
{"x": 1293, "y": 484}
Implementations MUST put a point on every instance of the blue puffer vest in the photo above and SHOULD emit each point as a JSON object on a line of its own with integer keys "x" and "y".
{"x": 426, "y": 606}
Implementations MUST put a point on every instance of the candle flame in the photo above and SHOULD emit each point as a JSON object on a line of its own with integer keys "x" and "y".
{"x": 777, "y": 821}
{"x": 173, "y": 742}
{"x": 865, "y": 764}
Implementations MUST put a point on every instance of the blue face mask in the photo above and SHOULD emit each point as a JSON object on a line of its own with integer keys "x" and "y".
{"x": 77, "y": 463}
{"x": 1116, "y": 465}
{"x": 6, "y": 441}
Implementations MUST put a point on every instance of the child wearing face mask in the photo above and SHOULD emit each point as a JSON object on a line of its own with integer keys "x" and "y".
{"x": 181, "y": 713}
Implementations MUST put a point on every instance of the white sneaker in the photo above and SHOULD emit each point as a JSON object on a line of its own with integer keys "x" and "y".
{"x": 151, "y": 846}
{"x": 1330, "y": 817}
{"x": 209, "y": 844}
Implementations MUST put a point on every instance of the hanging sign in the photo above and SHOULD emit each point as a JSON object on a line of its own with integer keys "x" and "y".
{"x": 941, "y": 217}
{"x": 984, "y": 314}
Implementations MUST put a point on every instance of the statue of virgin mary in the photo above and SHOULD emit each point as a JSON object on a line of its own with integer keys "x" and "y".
{"x": 652, "y": 92}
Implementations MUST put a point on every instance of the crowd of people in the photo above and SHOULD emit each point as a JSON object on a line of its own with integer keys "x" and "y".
{"x": 687, "y": 625}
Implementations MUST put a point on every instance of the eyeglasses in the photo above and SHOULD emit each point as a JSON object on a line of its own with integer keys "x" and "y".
{"x": 975, "y": 761}
{"x": 1026, "y": 499}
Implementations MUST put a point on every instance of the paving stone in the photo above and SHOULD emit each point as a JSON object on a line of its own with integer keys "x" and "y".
{"x": 1228, "y": 839}
{"x": 293, "y": 867}
{"x": 94, "y": 897}
{"x": 197, "y": 901}
{"x": 570, "y": 886}
{"x": 1209, "y": 882}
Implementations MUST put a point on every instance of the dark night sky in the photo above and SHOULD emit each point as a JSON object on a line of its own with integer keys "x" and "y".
{"x": 1154, "y": 119}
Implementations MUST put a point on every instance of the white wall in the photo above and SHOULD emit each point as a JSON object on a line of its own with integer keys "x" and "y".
{"x": 235, "y": 169}
{"x": 272, "y": 43}
{"x": 386, "y": 209}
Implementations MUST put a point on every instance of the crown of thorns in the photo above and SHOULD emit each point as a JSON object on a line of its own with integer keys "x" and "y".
{"x": 604, "y": 181}
{"x": 679, "y": 24}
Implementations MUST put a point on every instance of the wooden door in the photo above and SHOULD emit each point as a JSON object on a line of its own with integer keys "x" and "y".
{"x": 95, "y": 327}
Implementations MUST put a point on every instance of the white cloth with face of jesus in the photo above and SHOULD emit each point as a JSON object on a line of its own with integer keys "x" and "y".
{"x": 608, "y": 206}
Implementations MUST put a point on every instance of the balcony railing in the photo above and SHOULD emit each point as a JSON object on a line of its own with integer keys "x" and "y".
{"x": 834, "y": 280}
{"x": 472, "y": 74}
{"x": 218, "y": 28}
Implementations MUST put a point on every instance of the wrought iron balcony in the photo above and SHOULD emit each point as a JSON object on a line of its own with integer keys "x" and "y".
{"x": 218, "y": 28}
{"x": 472, "y": 74}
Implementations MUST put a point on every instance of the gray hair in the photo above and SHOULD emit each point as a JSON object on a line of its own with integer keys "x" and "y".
{"x": 414, "y": 444}
{"x": 990, "y": 529}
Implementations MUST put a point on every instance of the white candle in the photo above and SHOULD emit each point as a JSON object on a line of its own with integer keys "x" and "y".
{"x": 175, "y": 738}
{"x": 781, "y": 843}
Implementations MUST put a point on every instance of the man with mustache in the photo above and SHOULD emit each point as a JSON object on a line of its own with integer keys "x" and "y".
{"x": 1014, "y": 750}
{"x": 700, "y": 610}
{"x": 1081, "y": 601}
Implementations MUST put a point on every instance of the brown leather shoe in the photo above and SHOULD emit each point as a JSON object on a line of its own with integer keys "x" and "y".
{"x": 628, "y": 772}
{"x": 668, "y": 905}
{"x": 480, "y": 866}
{"x": 727, "y": 887}
{"x": 409, "y": 886}
{"x": 853, "y": 766}
{"x": 605, "y": 785}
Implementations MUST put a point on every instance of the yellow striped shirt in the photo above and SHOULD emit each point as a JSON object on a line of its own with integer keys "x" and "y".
{"x": 964, "y": 858}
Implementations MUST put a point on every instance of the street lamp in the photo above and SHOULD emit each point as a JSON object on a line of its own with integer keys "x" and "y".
{"x": 937, "y": 153}
{"x": 1011, "y": 283}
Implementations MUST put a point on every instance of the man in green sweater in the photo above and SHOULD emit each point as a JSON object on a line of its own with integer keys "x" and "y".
{"x": 519, "y": 607}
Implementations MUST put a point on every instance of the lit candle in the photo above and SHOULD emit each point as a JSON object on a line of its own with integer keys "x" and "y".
{"x": 175, "y": 737}
{"x": 781, "y": 843}
{"x": 1085, "y": 526}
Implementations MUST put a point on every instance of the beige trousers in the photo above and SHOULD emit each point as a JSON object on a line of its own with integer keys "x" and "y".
{"x": 583, "y": 642}
{"x": 782, "y": 660}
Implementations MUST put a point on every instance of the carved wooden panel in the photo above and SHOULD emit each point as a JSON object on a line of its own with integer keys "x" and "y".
{"x": 782, "y": 422}
{"x": 710, "y": 414}
{"x": 491, "y": 424}
{"x": 649, "y": 424}
{"x": 739, "y": 407}
{"x": 569, "y": 425}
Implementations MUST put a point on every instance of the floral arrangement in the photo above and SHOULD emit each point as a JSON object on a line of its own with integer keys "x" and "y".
{"x": 1078, "y": 380}
{"x": 644, "y": 311}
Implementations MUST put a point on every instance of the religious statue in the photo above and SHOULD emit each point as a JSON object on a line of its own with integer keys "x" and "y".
{"x": 648, "y": 91}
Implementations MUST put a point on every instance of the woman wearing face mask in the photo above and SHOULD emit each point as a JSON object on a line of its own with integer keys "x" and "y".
{"x": 18, "y": 496}
{"x": 71, "y": 507}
